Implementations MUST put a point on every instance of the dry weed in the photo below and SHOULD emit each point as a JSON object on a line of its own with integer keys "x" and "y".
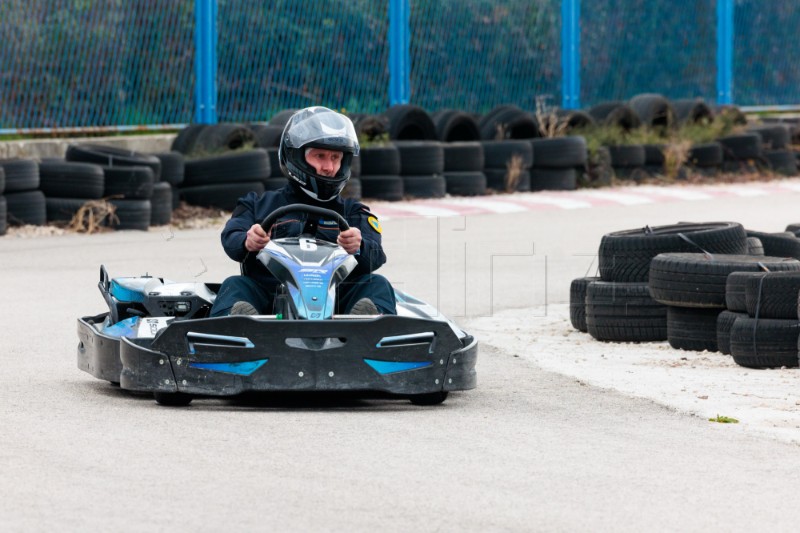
{"x": 514, "y": 170}
{"x": 94, "y": 216}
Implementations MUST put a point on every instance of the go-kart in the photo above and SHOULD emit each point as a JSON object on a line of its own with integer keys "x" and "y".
{"x": 157, "y": 335}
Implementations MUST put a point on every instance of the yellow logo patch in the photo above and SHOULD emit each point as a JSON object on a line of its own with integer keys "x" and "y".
{"x": 376, "y": 225}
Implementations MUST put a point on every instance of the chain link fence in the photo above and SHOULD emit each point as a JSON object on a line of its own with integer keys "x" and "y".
{"x": 131, "y": 63}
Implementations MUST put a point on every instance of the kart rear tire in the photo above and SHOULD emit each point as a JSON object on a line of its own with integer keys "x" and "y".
{"x": 173, "y": 399}
{"x": 431, "y": 398}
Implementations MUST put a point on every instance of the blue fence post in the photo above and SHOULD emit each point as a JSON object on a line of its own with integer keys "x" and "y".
{"x": 399, "y": 62}
{"x": 724, "y": 51}
{"x": 205, "y": 61}
{"x": 570, "y": 54}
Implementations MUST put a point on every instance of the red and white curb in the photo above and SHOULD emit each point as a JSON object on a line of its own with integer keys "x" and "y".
{"x": 580, "y": 199}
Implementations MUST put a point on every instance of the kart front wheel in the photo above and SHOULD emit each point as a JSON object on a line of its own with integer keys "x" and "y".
{"x": 173, "y": 399}
{"x": 432, "y": 398}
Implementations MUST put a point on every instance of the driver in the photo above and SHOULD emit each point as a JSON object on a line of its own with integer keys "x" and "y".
{"x": 316, "y": 149}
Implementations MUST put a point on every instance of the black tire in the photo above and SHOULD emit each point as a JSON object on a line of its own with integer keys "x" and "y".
{"x": 465, "y": 183}
{"x": 223, "y": 137}
{"x": 654, "y": 110}
{"x": 577, "y": 302}
{"x": 431, "y": 398}
{"x": 765, "y": 343}
{"x": 725, "y": 322}
{"x": 741, "y": 146}
{"x": 282, "y": 117}
{"x": 706, "y": 155}
{"x": 692, "y": 111}
{"x": 731, "y": 113}
{"x": 773, "y": 136}
{"x": 370, "y": 127}
{"x": 782, "y": 161}
{"x": 388, "y": 188}
{"x": 172, "y": 167}
{"x": 380, "y": 160}
{"x": 624, "y": 312}
{"x": 699, "y": 280}
{"x": 617, "y": 114}
{"x": 794, "y": 228}
{"x": 573, "y": 119}
{"x": 176, "y": 197}
{"x": 3, "y": 215}
{"x": 560, "y": 152}
{"x": 505, "y": 180}
{"x": 553, "y": 179}
{"x": 113, "y": 157}
{"x": 773, "y": 295}
{"x": 778, "y": 244}
{"x": 463, "y": 156}
{"x": 420, "y": 157}
{"x": 424, "y": 186}
{"x": 242, "y": 166}
{"x": 626, "y": 255}
{"x": 355, "y": 167}
{"x": 735, "y": 289}
{"x": 161, "y": 204}
{"x": 128, "y": 182}
{"x": 184, "y": 140}
{"x": 63, "y": 209}
{"x": 220, "y": 195}
{"x": 692, "y": 329}
{"x": 173, "y": 399}
{"x": 131, "y": 214}
{"x": 20, "y": 175}
{"x": 71, "y": 180}
{"x": 509, "y": 122}
{"x": 266, "y": 136}
{"x": 410, "y": 123}
{"x": 755, "y": 246}
{"x": 500, "y": 154}
{"x": 2, "y": 180}
{"x": 26, "y": 207}
{"x": 654, "y": 155}
{"x": 627, "y": 156}
{"x": 453, "y": 125}
{"x": 352, "y": 189}
{"x": 275, "y": 164}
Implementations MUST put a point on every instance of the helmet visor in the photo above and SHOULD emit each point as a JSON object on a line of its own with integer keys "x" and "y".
{"x": 324, "y": 128}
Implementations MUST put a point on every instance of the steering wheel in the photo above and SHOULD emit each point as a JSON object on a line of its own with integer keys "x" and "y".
{"x": 270, "y": 219}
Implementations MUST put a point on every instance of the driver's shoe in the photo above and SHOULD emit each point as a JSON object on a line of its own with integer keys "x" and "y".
{"x": 364, "y": 306}
{"x": 243, "y": 308}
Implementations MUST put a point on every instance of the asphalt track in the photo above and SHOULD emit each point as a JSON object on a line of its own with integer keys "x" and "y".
{"x": 527, "y": 450}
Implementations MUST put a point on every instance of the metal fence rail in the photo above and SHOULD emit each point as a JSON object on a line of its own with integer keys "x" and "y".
{"x": 136, "y": 63}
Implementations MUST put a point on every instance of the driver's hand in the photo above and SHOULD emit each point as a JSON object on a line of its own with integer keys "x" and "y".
{"x": 257, "y": 238}
{"x": 350, "y": 240}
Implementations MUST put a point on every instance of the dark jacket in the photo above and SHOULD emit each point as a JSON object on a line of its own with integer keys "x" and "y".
{"x": 253, "y": 208}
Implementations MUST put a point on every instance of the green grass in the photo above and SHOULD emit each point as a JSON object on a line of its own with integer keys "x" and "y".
{"x": 723, "y": 420}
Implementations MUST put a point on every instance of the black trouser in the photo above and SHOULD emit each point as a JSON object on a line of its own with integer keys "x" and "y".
{"x": 245, "y": 289}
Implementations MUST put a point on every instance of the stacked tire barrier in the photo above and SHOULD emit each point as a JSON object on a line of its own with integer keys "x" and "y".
{"x": 619, "y": 307}
{"x": 406, "y": 153}
{"x": 25, "y": 203}
{"x": 556, "y": 163}
{"x": 702, "y": 290}
{"x": 3, "y": 205}
{"x": 129, "y": 178}
{"x": 380, "y": 172}
{"x": 463, "y": 168}
{"x": 507, "y": 164}
{"x": 422, "y": 168}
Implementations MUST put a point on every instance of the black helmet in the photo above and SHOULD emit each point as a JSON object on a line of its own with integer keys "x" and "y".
{"x": 317, "y": 127}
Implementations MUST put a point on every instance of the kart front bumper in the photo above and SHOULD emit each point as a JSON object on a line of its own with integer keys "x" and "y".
{"x": 231, "y": 355}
